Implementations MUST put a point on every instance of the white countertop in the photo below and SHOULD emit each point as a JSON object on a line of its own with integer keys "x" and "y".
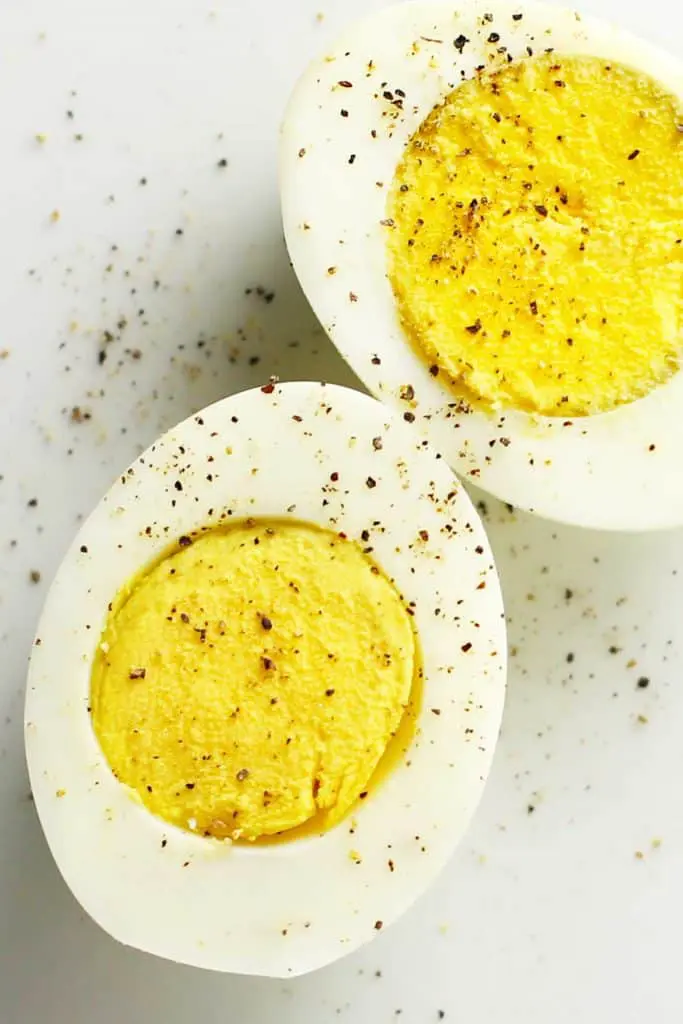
{"x": 564, "y": 901}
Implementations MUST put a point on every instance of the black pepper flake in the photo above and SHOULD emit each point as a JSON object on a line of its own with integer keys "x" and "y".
{"x": 378, "y": 925}
{"x": 515, "y": 17}
{"x": 434, "y": 370}
{"x": 460, "y": 42}
{"x": 466, "y": 647}
{"x": 189, "y": 785}
{"x": 370, "y": 482}
{"x": 344, "y": 113}
{"x": 184, "y": 541}
{"x": 32, "y": 503}
{"x": 329, "y": 693}
{"x": 345, "y": 85}
{"x": 242, "y": 774}
{"x": 178, "y": 486}
{"x": 84, "y": 549}
{"x": 570, "y": 658}
{"x": 377, "y": 443}
{"x": 184, "y": 617}
{"x": 475, "y": 327}
{"x": 137, "y": 673}
{"x": 266, "y": 623}
{"x": 376, "y": 361}
{"x": 223, "y": 162}
{"x": 559, "y": 83}
{"x": 533, "y": 306}
{"x": 268, "y": 664}
{"x": 634, "y": 154}
{"x": 643, "y": 683}
{"x": 541, "y": 210}
{"x": 409, "y": 417}
{"x": 494, "y": 37}
{"x": 407, "y": 392}
{"x": 352, "y": 158}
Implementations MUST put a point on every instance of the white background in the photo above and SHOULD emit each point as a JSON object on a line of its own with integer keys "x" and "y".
{"x": 564, "y": 902}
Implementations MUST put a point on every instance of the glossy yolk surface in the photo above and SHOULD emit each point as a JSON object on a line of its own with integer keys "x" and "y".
{"x": 253, "y": 679}
{"x": 535, "y": 250}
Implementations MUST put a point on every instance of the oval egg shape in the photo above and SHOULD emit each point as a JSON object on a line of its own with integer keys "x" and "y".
{"x": 350, "y": 122}
{"x": 334, "y": 458}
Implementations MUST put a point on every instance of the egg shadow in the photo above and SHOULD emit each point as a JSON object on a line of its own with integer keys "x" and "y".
{"x": 244, "y": 321}
{"x": 591, "y": 651}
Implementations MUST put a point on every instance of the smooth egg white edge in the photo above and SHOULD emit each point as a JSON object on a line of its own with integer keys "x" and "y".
{"x": 284, "y": 909}
{"x": 618, "y": 470}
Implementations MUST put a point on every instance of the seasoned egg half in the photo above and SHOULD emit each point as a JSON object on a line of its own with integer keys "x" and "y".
{"x": 284, "y": 465}
{"x": 484, "y": 205}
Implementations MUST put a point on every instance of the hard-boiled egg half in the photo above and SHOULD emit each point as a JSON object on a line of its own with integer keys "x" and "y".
{"x": 484, "y": 205}
{"x": 267, "y": 684}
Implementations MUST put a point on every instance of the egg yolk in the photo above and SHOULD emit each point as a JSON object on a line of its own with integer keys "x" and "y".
{"x": 534, "y": 236}
{"x": 252, "y": 680}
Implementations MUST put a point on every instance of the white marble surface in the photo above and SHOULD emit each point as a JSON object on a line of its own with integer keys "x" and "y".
{"x": 564, "y": 901}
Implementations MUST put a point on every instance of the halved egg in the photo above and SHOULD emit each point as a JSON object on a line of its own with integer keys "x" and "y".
{"x": 267, "y": 684}
{"x": 484, "y": 205}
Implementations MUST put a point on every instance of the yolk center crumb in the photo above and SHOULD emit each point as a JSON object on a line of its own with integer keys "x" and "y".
{"x": 535, "y": 236}
{"x": 252, "y": 680}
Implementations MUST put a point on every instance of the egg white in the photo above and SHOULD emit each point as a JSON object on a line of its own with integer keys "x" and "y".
{"x": 618, "y": 470}
{"x": 282, "y": 909}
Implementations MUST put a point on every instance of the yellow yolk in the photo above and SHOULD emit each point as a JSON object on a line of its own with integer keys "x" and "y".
{"x": 252, "y": 680}
{"x": 535, "y": 236}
